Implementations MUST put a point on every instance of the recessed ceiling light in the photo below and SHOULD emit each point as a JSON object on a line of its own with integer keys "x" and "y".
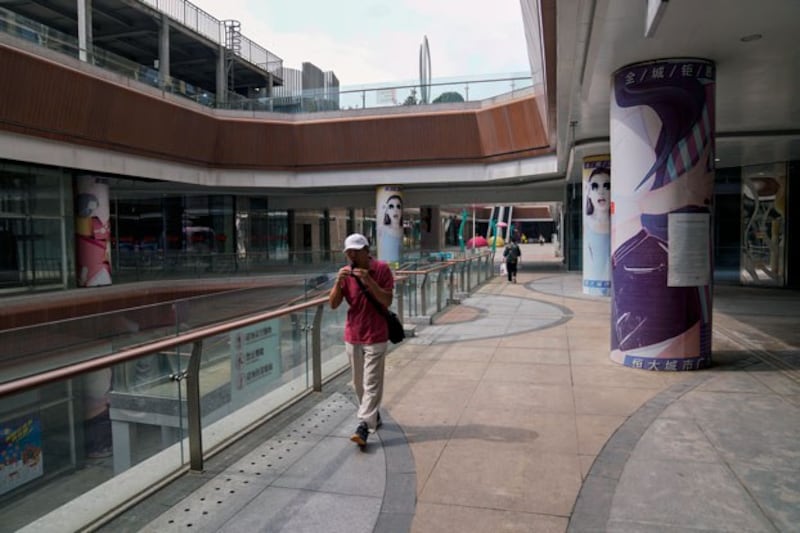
{"x": 750, "y": 38}
{"x": 716, "y": 159}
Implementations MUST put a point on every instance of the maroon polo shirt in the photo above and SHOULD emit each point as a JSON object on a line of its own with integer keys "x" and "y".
{"x": 364, "y": 324}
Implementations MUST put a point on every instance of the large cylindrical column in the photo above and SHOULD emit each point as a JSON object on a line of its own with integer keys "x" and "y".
{"x": 597, "y": 225}
{"x": 389, "y": 222}
{"x": 662, "y": 145}
{"x": 92, "y": 231}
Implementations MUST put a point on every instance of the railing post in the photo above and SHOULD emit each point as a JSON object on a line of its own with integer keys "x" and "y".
{"x": 194, "y": 414}
{"x": 424, "y": 294}
{"x": 316, "y": 350}
{"x": 439, "y": 289}
{"x": 451, "y": 280}
{"x": 400, "y": 301}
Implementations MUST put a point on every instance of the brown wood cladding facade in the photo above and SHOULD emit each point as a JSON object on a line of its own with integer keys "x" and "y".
{"x": 42, "y": 98}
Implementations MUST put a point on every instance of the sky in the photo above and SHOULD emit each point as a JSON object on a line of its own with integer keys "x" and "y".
{"x": 377, "y": 41}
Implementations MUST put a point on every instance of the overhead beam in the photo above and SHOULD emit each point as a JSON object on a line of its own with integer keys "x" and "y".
{"x": 122, "y": 35}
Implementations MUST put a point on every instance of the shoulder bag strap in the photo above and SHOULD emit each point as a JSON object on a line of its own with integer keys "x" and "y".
{"x": 381, "y": 309}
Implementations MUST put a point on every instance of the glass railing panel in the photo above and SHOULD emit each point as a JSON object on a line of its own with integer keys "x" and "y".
{"x": 27, "y": 350}
{"x": 80, "y": 438}
{"x": 441, "y": 92}
{"x": 32, "y": 349}
{"x": 334, "y": 357}
{"x": 413, "y": 296}
{"x": 431, "y": 279}
{"x": 147, "y": 409}
{"x": 250, "y": 372}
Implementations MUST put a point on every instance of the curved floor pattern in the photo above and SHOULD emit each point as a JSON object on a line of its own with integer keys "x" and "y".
{"x": 499, "y": 316}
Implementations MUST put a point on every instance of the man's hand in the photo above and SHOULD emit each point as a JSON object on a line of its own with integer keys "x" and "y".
{"x": 343, "y": 274}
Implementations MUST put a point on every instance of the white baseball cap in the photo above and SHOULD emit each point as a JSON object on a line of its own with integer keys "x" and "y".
{"x": 356, "y": 241}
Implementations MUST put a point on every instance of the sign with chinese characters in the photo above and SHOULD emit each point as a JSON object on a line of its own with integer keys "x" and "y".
{"x": 654, "y": 363}
{"x": 20, "y": 452}
{"x": 667, "y": 71}
{"x": 689, "y": 247}
{"x": 255, "y": 359}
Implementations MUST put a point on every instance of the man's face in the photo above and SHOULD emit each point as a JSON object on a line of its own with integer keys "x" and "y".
{"x": 359, "y": 257}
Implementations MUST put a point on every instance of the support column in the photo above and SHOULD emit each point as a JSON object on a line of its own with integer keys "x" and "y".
{"x": 222, "y": 77}
{"x": 662, "y": 145}
{"x": 92, "y": 231}
{"x": 431, "y": 235}
{"x": 84, "y": 29}
{"x": 597, "y": 225}
{"x": 163, "y": 53}
{"x": 389, "y": 222}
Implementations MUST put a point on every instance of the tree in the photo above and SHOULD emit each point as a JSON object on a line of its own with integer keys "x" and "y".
{"x": 448, "y": 97}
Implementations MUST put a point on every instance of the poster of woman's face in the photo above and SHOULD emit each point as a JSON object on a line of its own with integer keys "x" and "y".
{"x": 598, "y": 193}
{"x": 393, "y": 214}
{"x": 596, "y": 225}
{"x": 389, "y": 222}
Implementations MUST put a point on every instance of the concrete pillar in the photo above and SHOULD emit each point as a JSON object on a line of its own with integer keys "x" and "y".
{"x": 92, "y": 231}
{"x": 431, "y": 231}
{"x": 389, "y": 223}
{"x": 662, "y": 146}
{"x": 84, "y": 29}
{"x": 222, "y": 77}
{"x": 597, "y": 225}
{"x": 163, "y": 53}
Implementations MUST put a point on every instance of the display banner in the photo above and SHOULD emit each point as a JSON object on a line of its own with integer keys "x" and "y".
{"x": 662, "y": 145}
{"x": 597, "y": 225}
{"x": 255, "y": 360}
{"x": 20, "y": 452}
{"x": 92, "y": 232}
{"x": 389, "y": 222}
{"x": 763, "y": 258}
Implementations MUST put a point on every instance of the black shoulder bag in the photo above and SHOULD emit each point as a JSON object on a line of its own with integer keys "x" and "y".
{"x": 396, "y": 332}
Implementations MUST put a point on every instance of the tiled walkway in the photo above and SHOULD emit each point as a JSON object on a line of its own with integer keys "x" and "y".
{"x": 507, "y": 415}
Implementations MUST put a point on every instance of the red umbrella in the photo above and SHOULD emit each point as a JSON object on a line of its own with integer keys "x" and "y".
{"x": 477, "y": 242}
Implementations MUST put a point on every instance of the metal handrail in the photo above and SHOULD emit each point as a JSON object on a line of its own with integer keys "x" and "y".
{"x": 190, "y": 337}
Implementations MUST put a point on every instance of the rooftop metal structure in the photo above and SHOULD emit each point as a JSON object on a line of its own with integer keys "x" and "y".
{"x": 130, "y": 28}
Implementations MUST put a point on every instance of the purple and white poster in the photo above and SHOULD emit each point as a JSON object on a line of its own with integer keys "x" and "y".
{"x": 662, "y": 145}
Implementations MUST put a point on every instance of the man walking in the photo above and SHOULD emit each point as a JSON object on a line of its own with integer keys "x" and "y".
{"x": 512, "y": 253}
{"x": 365, "y": 330}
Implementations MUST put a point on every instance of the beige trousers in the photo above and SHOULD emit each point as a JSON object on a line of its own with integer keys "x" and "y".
{"x": 366, "y": 364}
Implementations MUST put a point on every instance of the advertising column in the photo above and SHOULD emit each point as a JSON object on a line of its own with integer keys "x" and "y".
{"x": 389, "y": 223}
{"x": 93, "y": 235}
{"x": 597, "y": 225}
{"x": 662, "y": 145}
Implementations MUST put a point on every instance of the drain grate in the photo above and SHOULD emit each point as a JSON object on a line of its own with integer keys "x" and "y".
{"x": 213, "y": 504}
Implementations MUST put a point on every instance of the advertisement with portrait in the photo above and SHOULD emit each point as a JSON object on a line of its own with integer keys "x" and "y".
{"x": 662, "y": 145}
{"x": 597, "y": 225}
{"x": 389, "y": 221}
{"x": 763, "y": 260}
{"x": 92, "y": 229}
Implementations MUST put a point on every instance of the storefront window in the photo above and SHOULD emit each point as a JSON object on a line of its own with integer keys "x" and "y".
{"x": 763, "y": 260}
{"x": 33, "y": 203}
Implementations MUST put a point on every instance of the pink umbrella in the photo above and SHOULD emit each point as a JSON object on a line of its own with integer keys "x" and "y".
{"x": 501, "y": 225}
{"x": 477, "y": 242}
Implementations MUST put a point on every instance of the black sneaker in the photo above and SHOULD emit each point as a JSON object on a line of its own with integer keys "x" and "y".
{"x": 360, "y": 435}
{"x": 379, "y": 423}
